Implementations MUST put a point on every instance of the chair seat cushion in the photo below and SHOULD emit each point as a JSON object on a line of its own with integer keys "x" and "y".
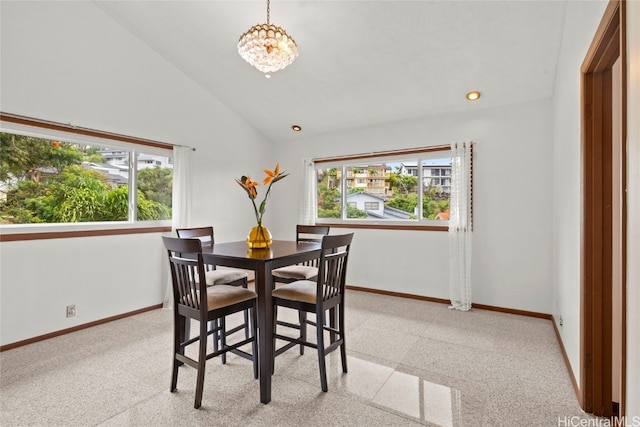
{"x": 223, "y": 277}
{"x": 301, "y": 290}
{"x": 224, "y": 295}
{"x": 298, "y": 272}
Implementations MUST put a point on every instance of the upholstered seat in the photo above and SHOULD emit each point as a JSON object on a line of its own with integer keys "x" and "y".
{"x": 301, "y": 291}
{"x": 224, "y": 277}
{"x": 296, "y": 272}
{"x": 308, "y": 270}
{"x": 225, "y": 295}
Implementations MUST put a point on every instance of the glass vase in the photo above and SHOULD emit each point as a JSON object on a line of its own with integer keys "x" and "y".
{"x": 259, "y": 237}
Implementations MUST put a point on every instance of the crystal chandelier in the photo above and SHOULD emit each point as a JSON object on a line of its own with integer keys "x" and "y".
{"x": 267, "y": 47}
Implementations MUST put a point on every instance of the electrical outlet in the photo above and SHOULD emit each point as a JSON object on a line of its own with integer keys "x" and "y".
{"x": 71, "y": 310}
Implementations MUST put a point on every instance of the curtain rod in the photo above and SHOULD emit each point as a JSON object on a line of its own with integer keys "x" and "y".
{"x": 29, "y": 121}
{"x": 383, "y": 153}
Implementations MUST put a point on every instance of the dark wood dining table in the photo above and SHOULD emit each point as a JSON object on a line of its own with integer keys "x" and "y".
{"x": 262, "y": 262}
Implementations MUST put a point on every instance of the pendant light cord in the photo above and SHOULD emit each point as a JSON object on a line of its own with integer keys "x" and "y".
{"x": 268, "y": 11}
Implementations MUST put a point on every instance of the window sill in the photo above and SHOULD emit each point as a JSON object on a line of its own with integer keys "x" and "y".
{"x": 385, "y": 225}
{"x": 12, "y": 233}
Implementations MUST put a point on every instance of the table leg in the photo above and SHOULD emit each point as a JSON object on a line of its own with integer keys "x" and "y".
{"x": 264, "y": 283}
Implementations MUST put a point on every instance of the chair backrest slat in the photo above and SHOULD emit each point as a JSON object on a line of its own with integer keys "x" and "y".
{"x": 187, "y": 272}
{"x": 333, "y": 273}
{"x": 185, "y": 286}
{"x": 332, "y": 269}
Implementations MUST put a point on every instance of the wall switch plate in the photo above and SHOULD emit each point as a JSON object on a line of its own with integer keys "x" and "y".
{"x": 71, "y": 310}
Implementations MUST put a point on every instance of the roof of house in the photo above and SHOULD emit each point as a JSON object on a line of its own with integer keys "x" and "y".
{"x": 364, "y": 193}
{"x": 443, "y": 215}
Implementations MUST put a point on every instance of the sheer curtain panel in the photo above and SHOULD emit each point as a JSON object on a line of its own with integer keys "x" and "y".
{"x": 308, "y": 200}
{"x": 181, "y": 201}
{"x": 460, "y": 226}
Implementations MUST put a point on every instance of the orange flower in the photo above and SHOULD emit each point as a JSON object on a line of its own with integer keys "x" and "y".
{"x": 55, "y": 144}
{"x": 250, "y": 187}
{"x": 271, "y": 175}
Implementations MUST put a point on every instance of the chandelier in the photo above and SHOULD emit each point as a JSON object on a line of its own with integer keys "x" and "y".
{"x": 267, "y": 47}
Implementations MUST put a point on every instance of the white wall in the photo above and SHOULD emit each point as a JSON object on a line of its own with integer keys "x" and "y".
{"x": 633, "y": 214}
{"x": 103, "y": 276}
{"x": 512, "y": 206}
{"x": 71, "y": 63}
{"x": 581, "y": 22}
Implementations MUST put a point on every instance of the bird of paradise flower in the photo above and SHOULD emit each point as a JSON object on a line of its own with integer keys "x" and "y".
{"x": 250, "y": 187}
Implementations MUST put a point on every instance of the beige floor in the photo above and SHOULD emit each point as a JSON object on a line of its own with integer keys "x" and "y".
{"x": 410, "y": 363}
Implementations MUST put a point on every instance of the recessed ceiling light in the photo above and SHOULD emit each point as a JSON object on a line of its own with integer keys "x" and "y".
{"x": 472, "y": 96}
{"x": 296, "y": 128}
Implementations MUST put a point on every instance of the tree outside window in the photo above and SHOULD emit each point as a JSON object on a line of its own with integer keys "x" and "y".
{"x": 50, "y": 181}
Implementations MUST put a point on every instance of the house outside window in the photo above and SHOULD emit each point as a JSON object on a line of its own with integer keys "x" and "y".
{"x": 391, "y": 192}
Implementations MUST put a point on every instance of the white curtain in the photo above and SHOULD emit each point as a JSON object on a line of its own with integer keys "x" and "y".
{"x": 460, "y": 227}
{"x": 182, "y": 185}
{"x": 181, "y": 201}
{"x": 308, "y": 202}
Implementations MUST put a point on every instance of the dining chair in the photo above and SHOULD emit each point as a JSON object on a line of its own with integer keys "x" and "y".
{"x": 309, "y": 269}
{"x": 227, "y": 276}
{"x": 325, "y": 293}
{"x": 194, "y": 299}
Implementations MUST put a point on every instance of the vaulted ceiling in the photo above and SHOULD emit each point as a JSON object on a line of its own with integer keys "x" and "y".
{"x": 360, "y": 62}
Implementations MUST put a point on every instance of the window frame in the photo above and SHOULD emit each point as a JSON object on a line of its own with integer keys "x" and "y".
{"x": 21, "y": 125}
{"x": 354, "y": 160}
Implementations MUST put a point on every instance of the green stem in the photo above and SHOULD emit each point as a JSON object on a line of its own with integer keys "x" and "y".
{"x": 261, "y": 231}
{"x": 255, "y": 209}
{"x": 263, "y": 205}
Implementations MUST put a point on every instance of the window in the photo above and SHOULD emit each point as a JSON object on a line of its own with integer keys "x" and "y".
{"x": 76, "y": 179}
{"x": 392, "y": 193}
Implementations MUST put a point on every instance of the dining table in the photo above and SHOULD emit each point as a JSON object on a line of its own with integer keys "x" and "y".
{"x": 262, "y": 262}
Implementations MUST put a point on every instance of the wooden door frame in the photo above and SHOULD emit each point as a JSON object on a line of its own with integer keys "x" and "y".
{"x": 596, "y": 298}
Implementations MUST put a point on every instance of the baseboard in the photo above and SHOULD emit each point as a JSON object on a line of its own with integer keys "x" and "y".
{"x": 446, "y": 301}
{"x": 398, "y": 294}
{"x": 576, "y": 389}
{"x": 77, "y": 328}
